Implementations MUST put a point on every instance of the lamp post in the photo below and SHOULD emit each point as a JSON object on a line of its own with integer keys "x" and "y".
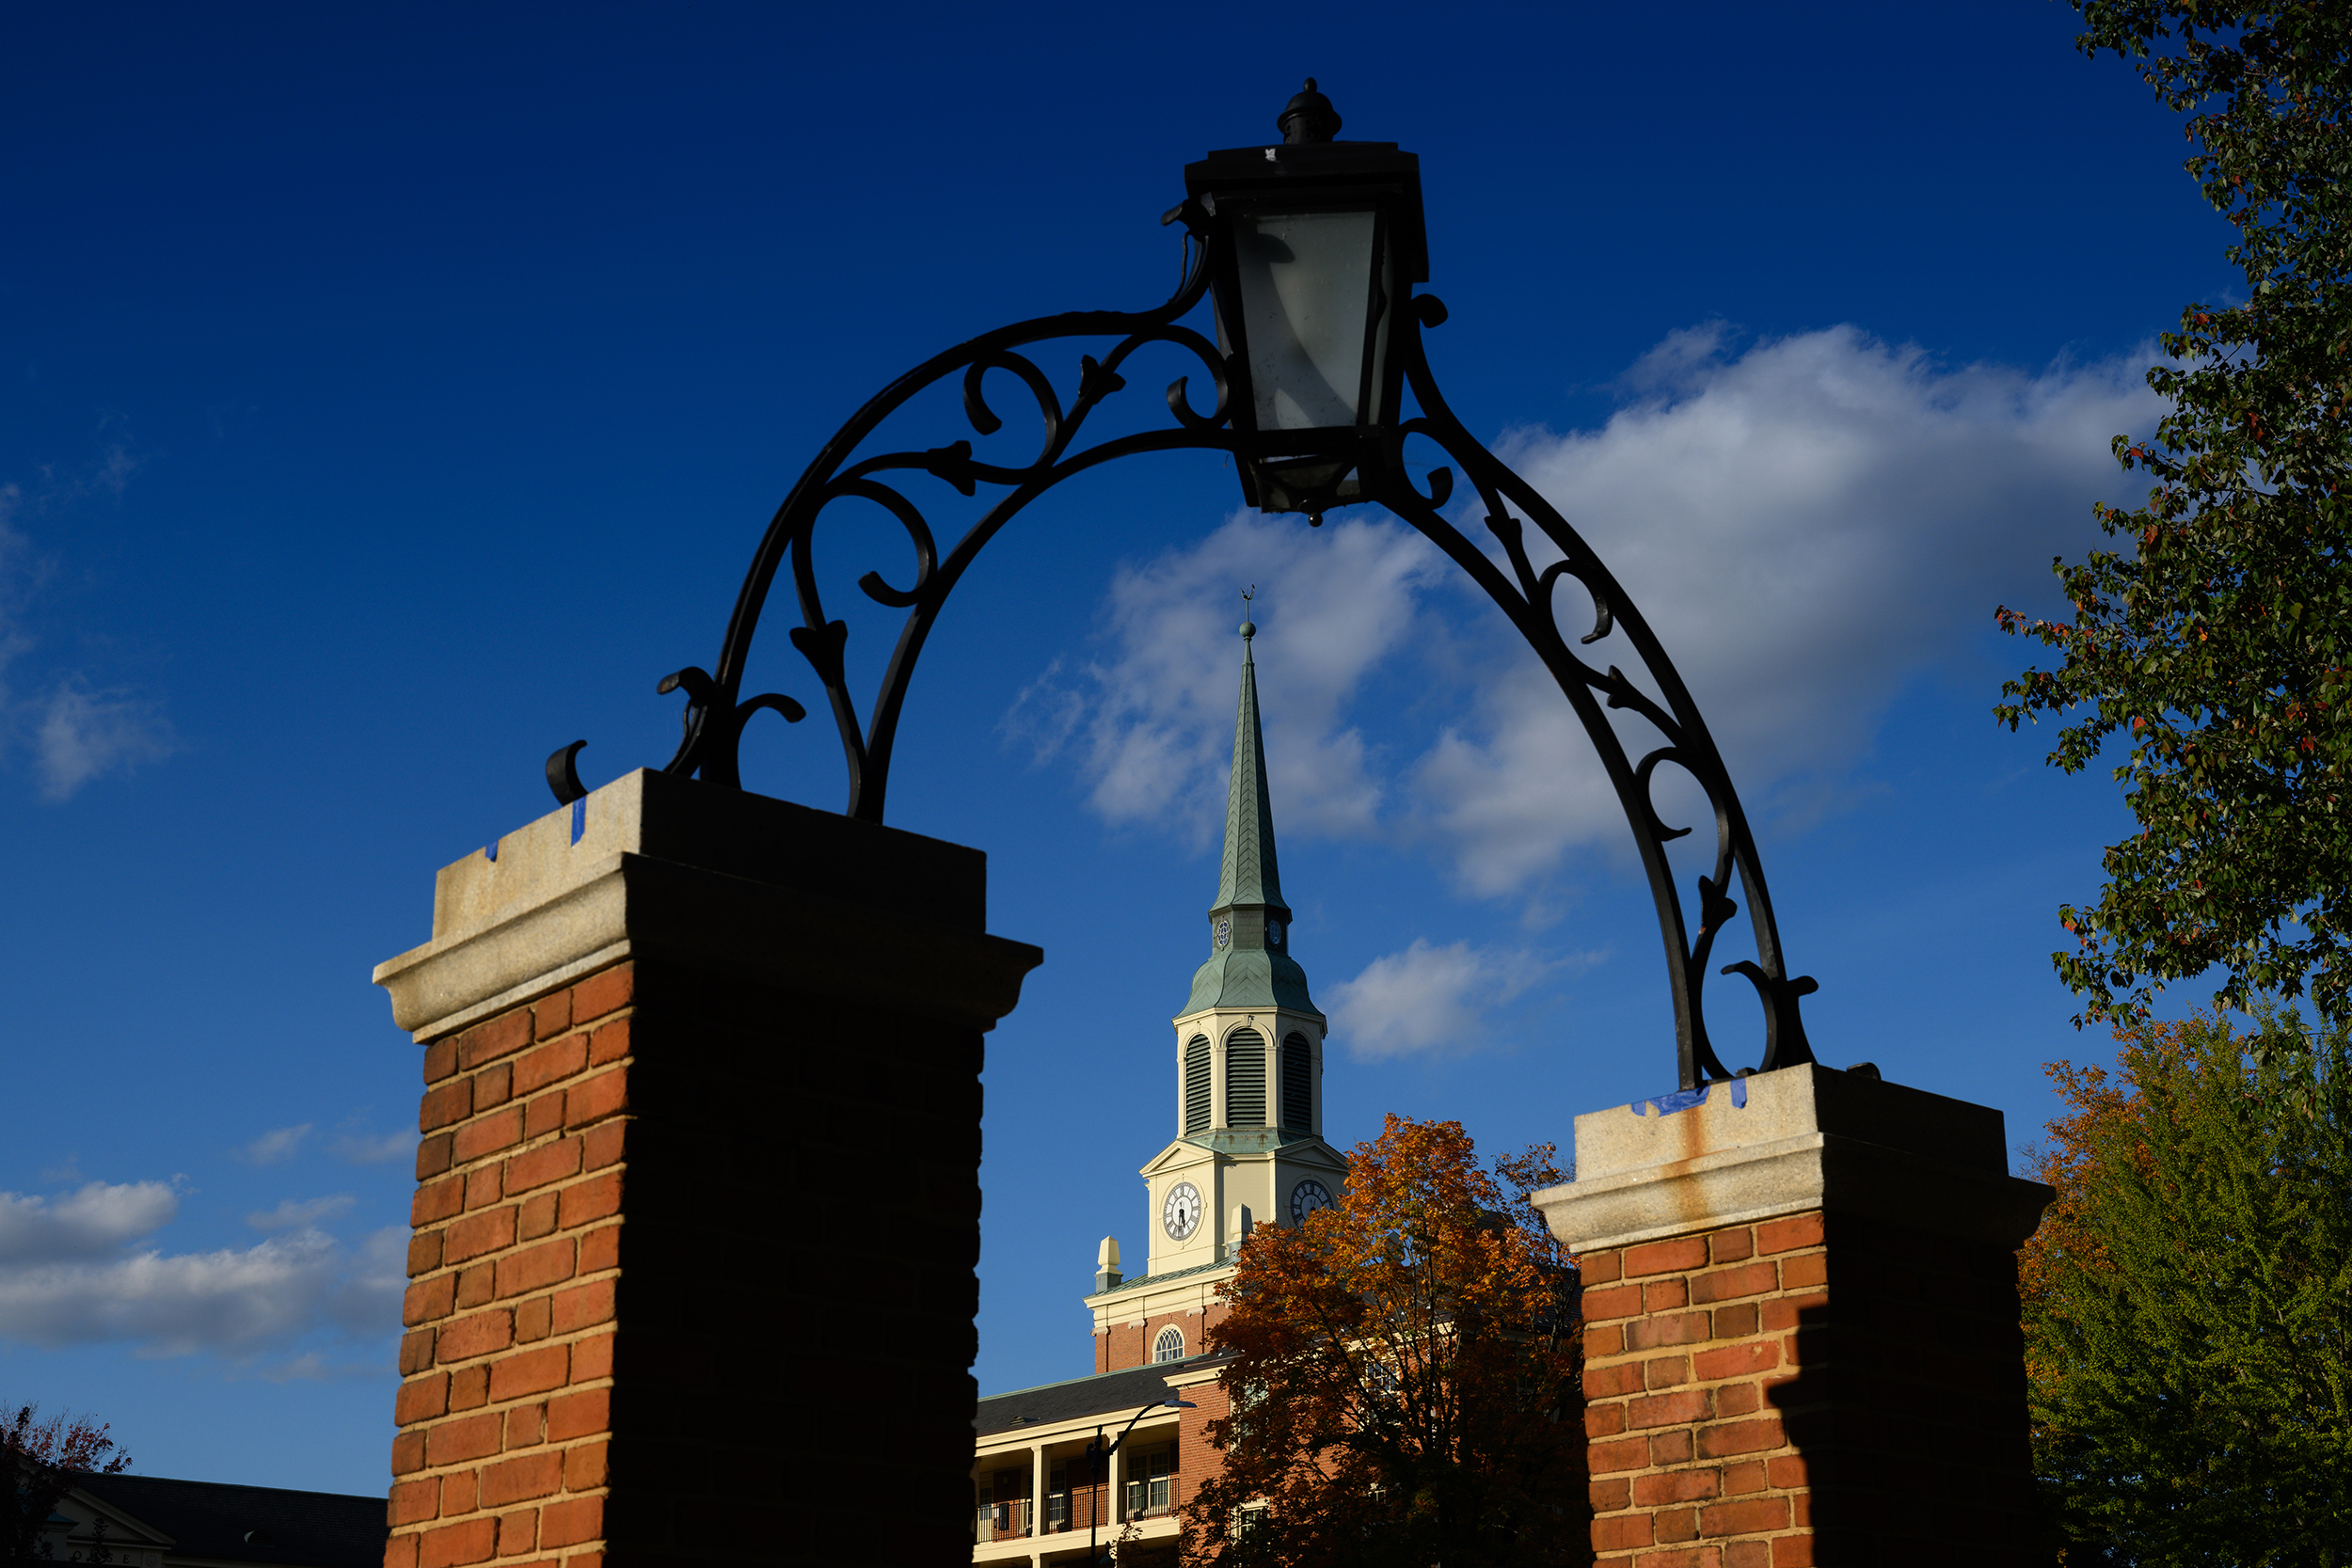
{"x": 1309, "y": 251}
{"x": 1098, "y": 1459}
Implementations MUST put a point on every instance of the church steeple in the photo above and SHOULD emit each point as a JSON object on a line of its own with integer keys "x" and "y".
{"x": 1250, "y": 963}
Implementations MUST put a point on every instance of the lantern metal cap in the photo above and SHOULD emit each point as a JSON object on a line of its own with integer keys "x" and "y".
{"x": 1308, "y": 118}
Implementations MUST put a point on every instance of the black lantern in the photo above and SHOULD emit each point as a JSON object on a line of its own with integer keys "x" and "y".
{"x": 1313, "y": 246}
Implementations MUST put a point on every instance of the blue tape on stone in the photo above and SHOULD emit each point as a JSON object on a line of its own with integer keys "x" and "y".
{"x": 580, "y": 818}
{"x": 1739, "y": 1094}
{"x": 492, "y": 851}
{"x": 1667, "y": 1104}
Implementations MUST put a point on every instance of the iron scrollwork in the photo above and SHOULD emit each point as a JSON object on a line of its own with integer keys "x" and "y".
{"x": 716, "y": 712}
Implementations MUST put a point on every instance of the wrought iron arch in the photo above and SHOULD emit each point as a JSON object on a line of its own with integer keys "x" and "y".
{"x": 716, "y": 710}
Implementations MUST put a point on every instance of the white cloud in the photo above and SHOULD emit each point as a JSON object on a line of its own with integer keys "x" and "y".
{"x": 174, "y": 1305}
{"x": 366, "y": 1148}
{"x": 1153, "y": 723}
{"x": 275, "y": 1147}
{"x": 81, "y": 735}
{"x": 91, "y": 1222}
{"x": 1807, "y": 523}
{"x": 292, "y": 1214}
{"x": 1429, "y": 1000}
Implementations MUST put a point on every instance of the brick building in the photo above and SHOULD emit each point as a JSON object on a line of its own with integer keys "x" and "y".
{"x": 1249, "y": 1150}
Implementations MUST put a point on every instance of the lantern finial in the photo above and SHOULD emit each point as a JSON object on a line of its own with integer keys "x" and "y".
{"x": 1309, "y": 117}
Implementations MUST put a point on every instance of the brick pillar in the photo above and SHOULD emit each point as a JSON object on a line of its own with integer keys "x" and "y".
{"x": 1802, "y": 1340}
{"x": 697, "y": 1205}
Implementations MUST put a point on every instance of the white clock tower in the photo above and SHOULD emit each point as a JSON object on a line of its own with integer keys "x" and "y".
{"x": 1248, "y": 1089}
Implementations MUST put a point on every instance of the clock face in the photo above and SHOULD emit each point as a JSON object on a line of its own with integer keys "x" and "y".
{"x": 1305, "y": 1198}
{"x": 1224, "y": 932}
{"x": 1179, "y": 1217}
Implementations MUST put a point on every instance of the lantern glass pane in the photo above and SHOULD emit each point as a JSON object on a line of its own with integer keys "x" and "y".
{"x": 1306, "y": 288}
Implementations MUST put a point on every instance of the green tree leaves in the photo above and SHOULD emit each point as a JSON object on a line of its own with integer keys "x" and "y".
{"x": 2217, "y": 645}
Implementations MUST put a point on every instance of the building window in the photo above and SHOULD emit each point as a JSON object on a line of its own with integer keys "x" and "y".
{"x": 1153, "y": 1482}
{"x": 1196, "y": 1083}
{"x": 1298, "y": 1084}
{"x": 1169, "y": 1346}
{"x": 1057, "y": 1497}
{"x": 1245, "y": 1079}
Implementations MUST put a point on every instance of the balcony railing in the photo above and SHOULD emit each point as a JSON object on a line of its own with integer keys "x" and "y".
{"x": 1005, "y": 1521}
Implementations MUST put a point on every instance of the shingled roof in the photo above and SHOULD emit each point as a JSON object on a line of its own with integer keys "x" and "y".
{"x": 223, "y": 1522}
{"x": 1120, "y": 1394}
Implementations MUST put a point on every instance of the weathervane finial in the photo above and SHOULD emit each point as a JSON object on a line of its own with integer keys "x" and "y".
{"x": 1248, "y": 628}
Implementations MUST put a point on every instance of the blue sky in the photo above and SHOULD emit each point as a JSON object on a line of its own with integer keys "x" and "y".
{"x": 389, "y": 395}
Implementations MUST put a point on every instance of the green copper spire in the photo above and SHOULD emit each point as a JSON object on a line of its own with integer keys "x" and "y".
{"x": 1250, "y": 963}
{"x": 1249, "y": 875}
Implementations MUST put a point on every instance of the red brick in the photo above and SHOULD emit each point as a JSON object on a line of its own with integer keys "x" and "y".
{"x": 608, "y": 1043}
{"x": 583, "y": 1306}
{"x": 603, "y": 993}
{"x": 433, "y": 1155}
{"x": 519, "y": 1532}
{"x": 1792, "y": 1551}
{"x": 548, "y": 1163}
{"x": 1671, "y": 1446}
{"x": 457, "y": 1494}
{"x": 1619, "y": 1301}
{"x": 601, "y": 1250}
{"x": 455, "y": 1442}
{"x": 1683, "y": 1252}
{"x": 424, "y": 1253}
{"x": 441, "y": 1059}
{"x": 1603, "y": 1421}
{"x": 428, "y": 1299}
{"x": 469, "y": 1387}
{"x": 1620, "y": 1532}
{"x": 412, "y": 1500}
{"x": 416, "y": 1352}
{"x": 401, "y": 1552}
{"x": 537, "y": 1217}
{"x": 1603, "y": 1341}
{"x": 583, "y": 1467}
{"x": 1665, "y": 1296}
{"x": 533, "y": 1475}
{"x": 604, "y": 1145}
{"x": 580, "y": 1414}
{"x": 1807, "y": 1268}
{"x": 1686, "y": 1328}
{"x": 534, "y": 1268}
{"x": 557, "y": 1060}
{"x": 1735, "y": 1360}
{"x": 501, "y": 1037}
{"x": 1630, "y": 1454}
{"x": 407, "y": 1453}
{"x": 531, "y": 1371}
{"x": 1781, "y": 1314}
{"x": 479, "y": 1334}
{"x": 571, "y": 1522}
{"x": 551, "y": 1015}
{"x": 1666, "y": 1372}
{"x": 493, "y": 1085}
{"x": 1731, "y": 1246}
{"x": 1736, "y": 1323}
{"x": 474, "y": 1286}
{"x": 592, "y": 1358}
{"x": 1787, "y": 1471}
{"x": 1753, "y": 1279}
{"x": 534, "y": 1320}
{"x": 1607, "y": 1497}
{"x": 526, "y": 1426}
{"x": 1602, "y": 1382}
{"x": 1797, "y": 1230}
{"x": 543, "y": 1116}
{"x": 491, "y": 1134}
{"x": 595, "y": 1099}
{"x": 1740, "y": 1437}
{"x": 491, "y": 1230}
{"x": 1600, "y": 1268}
{"x": 484, "y": 1187}
{"x": 437, "y": 1200}
{"x": 1666, "y": 1410}
{"x": 1734, "y": 1399}
{"x": 1748, "y": 1553}
{"x": 1674, "y": 1486}
{"x": 420, "y": 1399}
{"x": 1746, "y": 1476}
{"x": 451, "y": 1102}
{"x": 451, "y": 1546}
{"x": 1676, "y": 1524}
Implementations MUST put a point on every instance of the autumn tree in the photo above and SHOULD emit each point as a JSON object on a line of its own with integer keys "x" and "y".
{"x": 2215, "y": 641}
{"x": 39, "y": 1461}
{"x": 2188, "y": 1300}
{"x": 1404, "y": 1382}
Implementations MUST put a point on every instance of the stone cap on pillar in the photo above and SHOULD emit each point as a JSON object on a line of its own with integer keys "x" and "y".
{"x": 658, "y": 866}
{"x": 1806, "y": 1137}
